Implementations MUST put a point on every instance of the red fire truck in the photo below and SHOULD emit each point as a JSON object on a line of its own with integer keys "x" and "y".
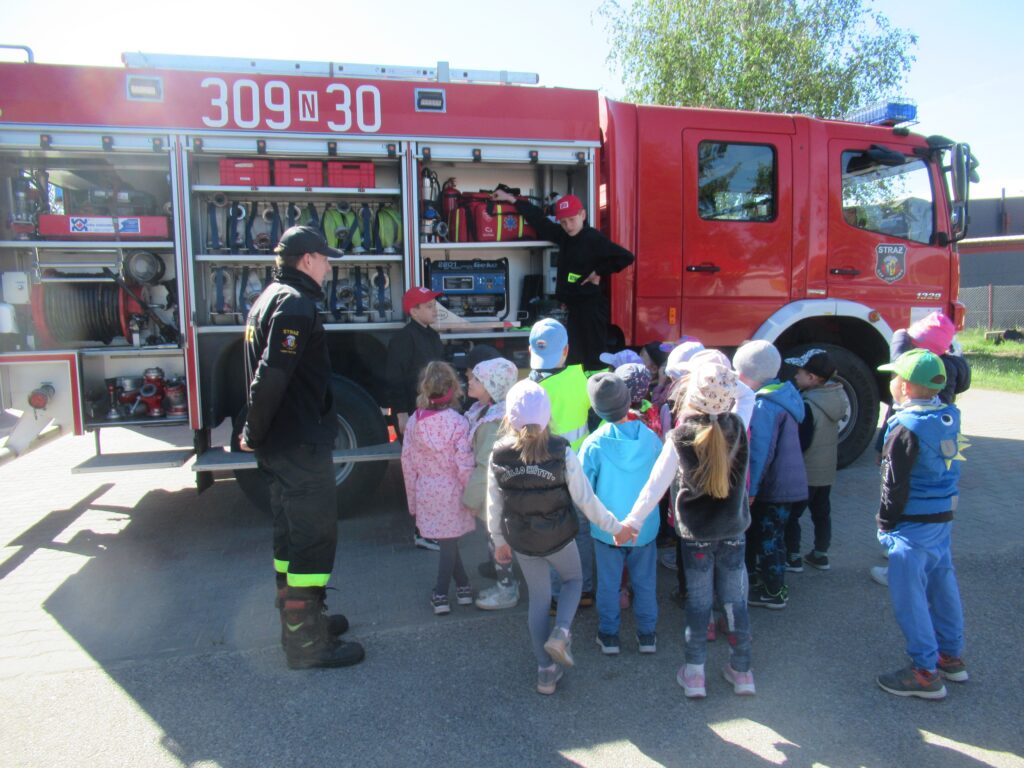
{"x": 141, "y": 204}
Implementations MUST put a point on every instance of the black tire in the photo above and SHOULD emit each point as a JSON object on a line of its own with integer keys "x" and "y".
{"x": 360, "y": 423}
{"x": 857, "y": 430}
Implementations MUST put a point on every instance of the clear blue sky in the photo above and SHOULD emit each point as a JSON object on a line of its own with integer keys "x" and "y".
{"x": 965, "y": 80}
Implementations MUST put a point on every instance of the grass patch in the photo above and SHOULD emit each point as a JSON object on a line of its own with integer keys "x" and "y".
{"x": 993, "y": 366}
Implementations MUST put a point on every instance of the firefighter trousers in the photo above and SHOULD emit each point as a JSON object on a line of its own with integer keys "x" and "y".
{"x": 303, "y": 504}
{"x": 587, "y": 326}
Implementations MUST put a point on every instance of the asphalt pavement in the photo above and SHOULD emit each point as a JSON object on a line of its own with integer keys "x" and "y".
{"x": 137, "y": 628}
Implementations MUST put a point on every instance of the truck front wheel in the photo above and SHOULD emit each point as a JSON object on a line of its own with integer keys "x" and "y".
{"x": 360, "y": 424}
{"x": 857, "y": 429}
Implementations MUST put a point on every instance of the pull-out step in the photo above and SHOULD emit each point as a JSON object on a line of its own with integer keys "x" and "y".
{"x": 109, "y": 462}
{"x": 221, "y": 459}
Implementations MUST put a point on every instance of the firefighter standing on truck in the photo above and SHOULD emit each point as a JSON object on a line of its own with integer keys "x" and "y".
{"x": 585, "y": 257}
{"x": 291, "y": 425}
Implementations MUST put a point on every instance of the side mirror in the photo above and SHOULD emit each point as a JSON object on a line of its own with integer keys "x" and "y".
{"x": 961, "y": 170}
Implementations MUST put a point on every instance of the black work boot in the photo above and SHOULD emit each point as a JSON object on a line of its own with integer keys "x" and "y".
{"x": 307, "y": 643}
{"x": 337, "y": 624}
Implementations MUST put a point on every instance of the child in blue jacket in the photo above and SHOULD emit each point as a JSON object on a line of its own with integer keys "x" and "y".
{"x": 920, "y": 479}
{"x": 617, "y": 459}
{"x": 778, "y": 477}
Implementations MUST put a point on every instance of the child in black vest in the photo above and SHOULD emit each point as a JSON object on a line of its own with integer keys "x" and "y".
{"x": 534, "y": 480}
{"x": 708, "y": 452}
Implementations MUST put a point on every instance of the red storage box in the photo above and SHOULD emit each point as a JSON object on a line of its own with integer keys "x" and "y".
{"x": 341, "y": 173}
{"x": 245, "y": 173}
{"x": 298, "y": 173}
{"x": 104, "y": 227}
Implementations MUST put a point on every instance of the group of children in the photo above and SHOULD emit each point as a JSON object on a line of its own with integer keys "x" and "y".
{"x": 543, "y": 459}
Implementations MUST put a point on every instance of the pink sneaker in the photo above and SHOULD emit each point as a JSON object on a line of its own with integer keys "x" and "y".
{"x": 742, "y": 682}
{"x": 712, "y": 634}
{"x": 692, "y": 683}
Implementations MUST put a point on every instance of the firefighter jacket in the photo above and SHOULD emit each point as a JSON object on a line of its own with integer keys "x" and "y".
{"x": 579, "y": 255}
{"x": 287, "y": 367}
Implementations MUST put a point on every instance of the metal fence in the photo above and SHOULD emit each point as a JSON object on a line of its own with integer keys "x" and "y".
{"x": 994, "y": 306}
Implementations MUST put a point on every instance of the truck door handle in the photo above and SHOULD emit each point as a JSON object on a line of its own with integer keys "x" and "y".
{"x": 703, "y": 268}
{"x": 845, "y": 271}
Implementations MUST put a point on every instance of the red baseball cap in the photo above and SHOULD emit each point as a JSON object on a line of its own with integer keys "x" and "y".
{"x": 416, "y": 296}
{"x": 567, "y": 205}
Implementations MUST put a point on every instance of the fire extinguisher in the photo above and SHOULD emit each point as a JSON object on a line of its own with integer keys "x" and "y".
{"x": 450, "y": 199}
{"x": 430, "y": 190}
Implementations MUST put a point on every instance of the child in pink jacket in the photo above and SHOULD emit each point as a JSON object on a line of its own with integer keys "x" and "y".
{"x": 437, "y": 460}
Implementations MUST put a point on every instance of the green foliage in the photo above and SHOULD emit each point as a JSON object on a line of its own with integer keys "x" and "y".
{"x": 993, "y": 366}
{"x": 816, "y": 57}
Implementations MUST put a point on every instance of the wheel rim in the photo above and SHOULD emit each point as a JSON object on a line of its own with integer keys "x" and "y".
{"x": 345, "y": 440}
{"x": 849, "y": 420}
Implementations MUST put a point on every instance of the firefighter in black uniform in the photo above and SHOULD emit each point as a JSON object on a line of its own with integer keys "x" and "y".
{"x": 291, "y": 425}
{"x": 585, "y": 257}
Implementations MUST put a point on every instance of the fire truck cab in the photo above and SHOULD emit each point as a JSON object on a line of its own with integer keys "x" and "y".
{"x": 140, "y": 207}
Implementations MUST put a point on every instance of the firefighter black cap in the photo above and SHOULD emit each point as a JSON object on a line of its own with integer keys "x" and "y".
{"x": 298, "y": 241}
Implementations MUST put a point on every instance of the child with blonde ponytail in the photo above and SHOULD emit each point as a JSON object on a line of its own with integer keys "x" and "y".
{"x": 708, "y": 452}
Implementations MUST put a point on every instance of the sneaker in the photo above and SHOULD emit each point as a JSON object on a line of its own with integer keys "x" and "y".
{"x": 424, "y": 543}
{"x": 880, "y": 575}
{"x": 586, "y": 599}
{"x": 952, "y": 668}
{"x": 498, "y": 598}
{"x": 911, "y": 681}
{"x": 692, "y": 683}
{"x": 647, "y": 642}
{"x": 559, "y": 646}
{"x": 712, "y": 633}
{"x": 440, "y": 604}
{"x": 742, "y": 682}
{"x": 816, "y": 560}
{"x": 760, "y": 596}
{"x": 547, "y": 679}
{"x": 464, "y": 595}
{"x": 667, "y": 559}
{"x": 794, "y": 563}
{"x": 609, "y": 644}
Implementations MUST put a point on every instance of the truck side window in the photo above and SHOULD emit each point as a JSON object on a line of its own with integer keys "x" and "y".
{"x": 893, "y": 200}
{"x": 736, "y": 182}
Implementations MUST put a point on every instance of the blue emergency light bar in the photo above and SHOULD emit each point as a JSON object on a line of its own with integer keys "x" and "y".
{"x": 887, "y": 112}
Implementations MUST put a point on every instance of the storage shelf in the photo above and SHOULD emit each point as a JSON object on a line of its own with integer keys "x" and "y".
{"x": 269, "y": 257}
{"x": 367, "y": 191}
{"x": 388, "y": 325}
{"x": 154, "y": 351}
{"x": 92, "y": 245}
{"x": 158, "y": 421}
{"x": 515, "y": 244}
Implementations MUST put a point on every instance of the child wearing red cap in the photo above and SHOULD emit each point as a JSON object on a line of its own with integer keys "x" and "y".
{"x": 585, "y": 256}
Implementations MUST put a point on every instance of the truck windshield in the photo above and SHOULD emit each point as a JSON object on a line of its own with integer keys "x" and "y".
{"x": 895, "y": 200}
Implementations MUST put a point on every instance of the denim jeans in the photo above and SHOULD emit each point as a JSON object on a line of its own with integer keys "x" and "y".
{"x": 642, "y": 563}
{"x": 585, "y": 545}
{"x": 925, "y": 596}
{"x": 766, "y": 548}
{"x": 820, "y": 504}
{"x": 716, "y": 567}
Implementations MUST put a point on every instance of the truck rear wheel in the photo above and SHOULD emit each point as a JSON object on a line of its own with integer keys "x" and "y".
{"x": 857, "y": 430}
{"x": 360, "y": 424}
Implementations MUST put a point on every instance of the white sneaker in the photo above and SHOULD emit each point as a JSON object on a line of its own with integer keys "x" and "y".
{"x": 559, "y": 647}
{"x": 498, "y": 598}
{"x": 880, "y": 575}
{"x": 424, "y": 543}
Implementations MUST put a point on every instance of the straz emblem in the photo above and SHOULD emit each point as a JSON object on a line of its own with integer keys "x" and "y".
{"x": 890, "y": 262}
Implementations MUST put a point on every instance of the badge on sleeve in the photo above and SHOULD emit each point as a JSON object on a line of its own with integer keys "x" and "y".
{"x": 289, "y": 341}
